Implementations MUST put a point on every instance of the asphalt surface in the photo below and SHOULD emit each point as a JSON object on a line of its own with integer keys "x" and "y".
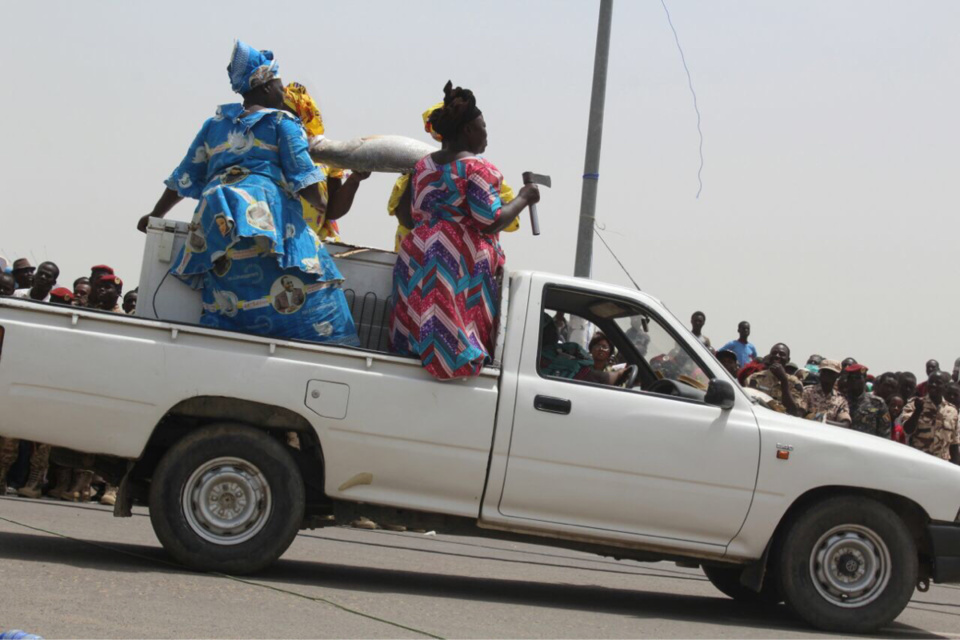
{"x": 109, "y": 578}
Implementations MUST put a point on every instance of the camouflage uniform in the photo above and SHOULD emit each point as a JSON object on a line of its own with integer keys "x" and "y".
{"x": 767, "y": 382}
{"x": 936, "y": 429}
{"x": 870, "y": 415}
{"x": 9, "y": 450}
{"x": 39, "y": 460}
{"x": 816, "y": 405}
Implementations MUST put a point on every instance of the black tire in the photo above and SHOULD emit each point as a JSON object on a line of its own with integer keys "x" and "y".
{"x": 856, "y": 533}
{"x": 727, "y": 580}
{"x": 245, "y": 474}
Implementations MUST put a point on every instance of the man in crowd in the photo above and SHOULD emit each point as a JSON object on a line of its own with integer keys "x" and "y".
{"x": 745, "y": 351}
{"x": 61, "y": 295}
{"x": 729, "y": 361}
{"x": 8, "y": 285}
{"x": 81, "y": 291}
{"x": 23, "y": 273}
{"x": 931, "y": 367}
{"x": 106, "y": 291}
{"x": 931, "y": 421}
{"x": 96, "y": 271}
{"x": 44, "y": 281}
{"x": 130, "y": 302}
{"x": 868, "y": 412}
{"x": 908, "y": 385}
{"x": 886, "y": 386}
{"x": 773, "y": 380}
{"x": 697, "y": 320}
{"x": 822, "y": 401}
{"x": 952, "y": 395}
{"x": 638, "y": 333}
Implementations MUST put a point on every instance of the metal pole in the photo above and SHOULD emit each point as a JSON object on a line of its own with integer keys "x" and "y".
{"x": 591, "y": 165}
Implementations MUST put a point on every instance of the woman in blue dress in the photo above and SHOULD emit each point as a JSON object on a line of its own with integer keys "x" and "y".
{"x": 260, "y": 266}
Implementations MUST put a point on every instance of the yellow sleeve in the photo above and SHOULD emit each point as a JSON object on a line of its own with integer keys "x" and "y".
{"x": 398, "y": 188}
{"x": 330, "y": 172}
{"x": 506, "y": 195}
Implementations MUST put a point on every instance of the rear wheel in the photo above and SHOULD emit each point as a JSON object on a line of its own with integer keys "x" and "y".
{"x": 848, "y": 564}
{"x": 227, "y": 498}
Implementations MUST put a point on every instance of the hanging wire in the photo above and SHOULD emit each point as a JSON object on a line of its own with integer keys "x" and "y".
{"x": 597, "y": 227}
{"x": 683, "y": 59}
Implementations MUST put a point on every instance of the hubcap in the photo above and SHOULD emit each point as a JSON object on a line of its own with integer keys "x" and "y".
{"x": 227, "y": 501}
{"x": 850, "y": 566}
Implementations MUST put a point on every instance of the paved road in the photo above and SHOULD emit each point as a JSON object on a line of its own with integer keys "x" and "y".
{"x": 347, "y": 583}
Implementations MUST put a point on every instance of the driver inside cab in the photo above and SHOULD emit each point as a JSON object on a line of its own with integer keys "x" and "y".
{"x": 570, "y": 360}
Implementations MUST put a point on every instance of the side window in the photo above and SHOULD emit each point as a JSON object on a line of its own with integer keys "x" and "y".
{"x": 561, "y": 355}
{"x": 667, "y": 358}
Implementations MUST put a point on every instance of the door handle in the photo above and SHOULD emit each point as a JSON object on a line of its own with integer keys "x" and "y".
{"x": 552, "y": 405}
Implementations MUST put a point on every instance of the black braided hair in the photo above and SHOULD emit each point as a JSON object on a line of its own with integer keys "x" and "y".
{"x": 459, "y": 108}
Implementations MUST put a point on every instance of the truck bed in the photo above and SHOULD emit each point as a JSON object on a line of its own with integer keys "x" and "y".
{"x": 101, "y": 383}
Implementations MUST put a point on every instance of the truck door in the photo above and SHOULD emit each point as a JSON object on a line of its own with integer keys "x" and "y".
{"x": 654, "y": 463}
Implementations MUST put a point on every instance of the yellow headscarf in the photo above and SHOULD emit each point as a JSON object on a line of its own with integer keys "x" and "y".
{"x": 426, "y": 122}
{"x": 296, "y": 97}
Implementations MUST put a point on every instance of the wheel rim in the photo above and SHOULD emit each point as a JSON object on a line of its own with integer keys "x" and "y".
{"x": 850, "y": 566}
{"x": 227, "y": 501}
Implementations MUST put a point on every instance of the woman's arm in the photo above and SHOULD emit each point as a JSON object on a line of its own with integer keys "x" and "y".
{"x": 403, "y": 212}
{"x": 167, "y": 200}
{"x": 342, "y": 199}
{"x": 529, "y": 194}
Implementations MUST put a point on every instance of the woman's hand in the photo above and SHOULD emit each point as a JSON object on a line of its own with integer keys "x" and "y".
{"x": 358, "y": 176}
{"x": 530, "y": 193}
{"x": 145, "y": 220}
{"x": 166, "y": 202}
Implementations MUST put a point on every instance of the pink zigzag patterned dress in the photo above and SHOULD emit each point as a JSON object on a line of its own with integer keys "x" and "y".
{"x": 445, "y": 282}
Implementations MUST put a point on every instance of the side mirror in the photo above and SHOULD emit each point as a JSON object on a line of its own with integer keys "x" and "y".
{"x": 720, "y": 393}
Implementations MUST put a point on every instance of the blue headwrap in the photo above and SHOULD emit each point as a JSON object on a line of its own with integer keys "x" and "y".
{"x": 249, "y": 68}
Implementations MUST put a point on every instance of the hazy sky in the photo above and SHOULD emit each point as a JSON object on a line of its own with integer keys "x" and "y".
{"x": 828, "y": 217}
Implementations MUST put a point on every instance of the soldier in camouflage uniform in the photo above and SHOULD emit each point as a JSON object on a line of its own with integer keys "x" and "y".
{"x": 931, "y": 421}
{"x": 868, "y": 412}
{"x": 786, "y": 390}
{"x": 39, "y": 461}
{"x": 822, "y": 401}
{"x": 9, "y": 449}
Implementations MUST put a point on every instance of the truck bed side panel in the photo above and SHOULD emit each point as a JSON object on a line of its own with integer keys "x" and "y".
{"x": 390, "y": 433}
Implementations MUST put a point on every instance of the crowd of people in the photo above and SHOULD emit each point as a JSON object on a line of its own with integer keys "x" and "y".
{"x": 25, "y": 466}
{"x": 889, "y": 405}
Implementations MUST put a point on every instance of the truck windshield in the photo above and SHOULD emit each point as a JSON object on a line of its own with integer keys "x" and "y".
{"x": 667, "y": 357}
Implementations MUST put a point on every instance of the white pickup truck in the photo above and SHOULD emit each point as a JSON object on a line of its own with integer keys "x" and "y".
{"x": 677, "y": 464}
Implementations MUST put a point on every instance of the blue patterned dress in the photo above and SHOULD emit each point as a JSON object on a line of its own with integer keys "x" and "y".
{"x": 261, "y": 268}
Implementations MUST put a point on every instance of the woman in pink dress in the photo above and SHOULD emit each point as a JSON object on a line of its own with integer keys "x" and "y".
{"x": 446, "y": 280}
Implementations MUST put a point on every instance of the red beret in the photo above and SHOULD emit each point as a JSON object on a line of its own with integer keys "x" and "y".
{"x": 109, "y": 277}
{"x": 101, "y": 267}
{"x": 62, "y": 292}
{"x": 855, "y": 368}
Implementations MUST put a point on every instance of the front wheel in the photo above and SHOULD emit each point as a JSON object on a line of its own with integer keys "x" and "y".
{"x": 848, "y": 565}
{"x": 227, "y": 498}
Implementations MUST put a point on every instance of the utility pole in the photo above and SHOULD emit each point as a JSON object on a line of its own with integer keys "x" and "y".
{"x": 591, "y": 165}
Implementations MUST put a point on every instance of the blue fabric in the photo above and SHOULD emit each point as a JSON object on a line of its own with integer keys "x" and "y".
{"x": 260, "y": 266}
{"x": 250, "y": 68}
{"x": 745, "y": 352}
